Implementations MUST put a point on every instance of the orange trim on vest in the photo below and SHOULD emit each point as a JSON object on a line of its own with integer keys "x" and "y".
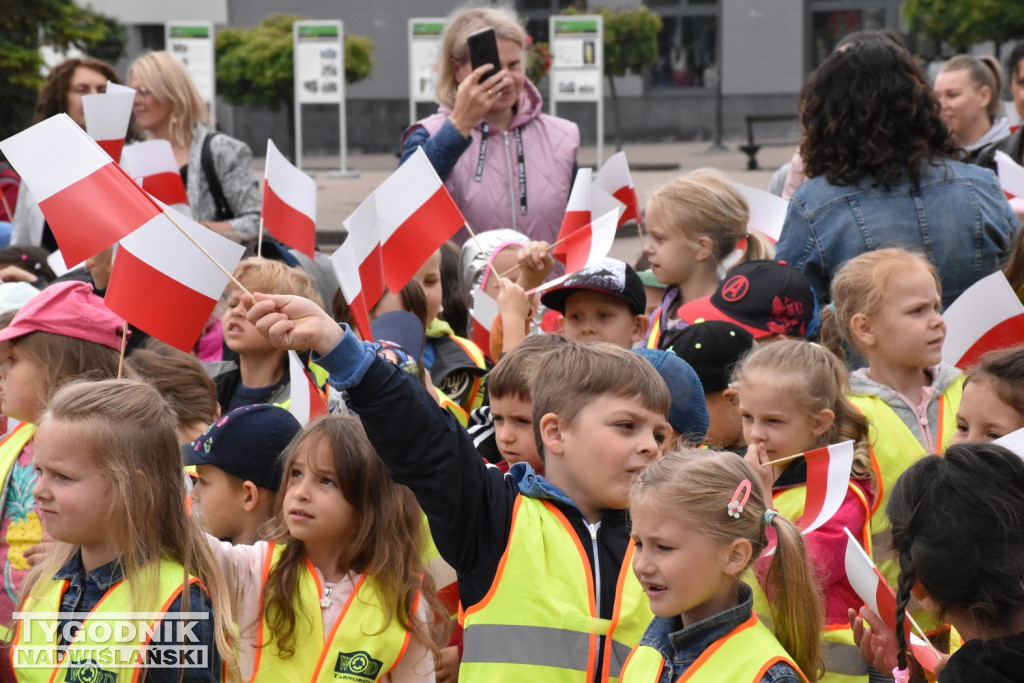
{"x": 408, "y": 634}
{"x": 463, "y": 613}
{"x": 624, "y": 569}
{"x": 267, "y": 563}
{"x": 769, "y": 664}
{"x": 337, "y": 622}
{"x": 939, "y": 440}
{"x": 865, "y": 541}
{"x": 476, "y": 355}
{"x": 713, "y": 648}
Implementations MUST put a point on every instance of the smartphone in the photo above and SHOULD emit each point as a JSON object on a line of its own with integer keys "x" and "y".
{"x": 483, "y": 49}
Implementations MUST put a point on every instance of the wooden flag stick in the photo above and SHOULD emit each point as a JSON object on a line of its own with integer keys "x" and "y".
{"x": 208, "y": 255}
{"x": 259, "y": 242}
{"x": 476, "y": 241}
{"x": 787, "y": 458}
{"x": 519, "y": 265}
{"x": 922, "y": 634}
{"x": 7, "y": 207}
{"x": 124, "y": 345}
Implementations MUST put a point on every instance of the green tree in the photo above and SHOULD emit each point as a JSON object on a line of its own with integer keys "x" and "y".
{"x": 964, "y": 22}
{"x": 24, "y": 28}
{"x": 255, "y": 65}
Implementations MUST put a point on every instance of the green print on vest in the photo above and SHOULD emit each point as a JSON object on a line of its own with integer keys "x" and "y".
{"x": 357, "y": 666}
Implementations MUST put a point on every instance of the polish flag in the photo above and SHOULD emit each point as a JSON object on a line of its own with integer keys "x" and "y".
{"x": 88, "y": 201}
{"x": 484, "y": 310}
{"x": 107, "y": 116}
{"x": 986, "y": 317}
{"x": 1011, "y": 175}
{"x": 358, "y": 264}
{"x": 1013, "y": 441}
{"x": 880, "y": 598}
{"x": 153, "y": 162}
{"x": 615, "y": 178}
{"x": 306, "y": 401}
{"x": 415, "y": 215}
{"x": 163, "y": 283}
{"x": 591, "y": 243}
{"x": 828, "y": 478}
{"x": 578, "y": 212}
{"x": 289, "y": 202}
{"x": 767, "y": 211}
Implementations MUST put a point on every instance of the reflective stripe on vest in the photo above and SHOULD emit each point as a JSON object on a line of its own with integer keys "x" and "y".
{"x": 539, "y": 620}
{"x": 366, "y": 642}
{"x": 894, "y": 448}
{"x": 45, "y": 601}
{"x": 843, "y": 663}
{"x": 743, "y": 654}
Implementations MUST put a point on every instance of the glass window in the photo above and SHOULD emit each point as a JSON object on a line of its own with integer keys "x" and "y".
{"x": 686, "y": 53}
{"x": 828, "y": 28}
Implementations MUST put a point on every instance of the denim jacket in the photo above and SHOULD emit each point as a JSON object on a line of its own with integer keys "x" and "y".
{"x": 85, "y": 589}
{"x": 681, "y": 645}
{"x": 958, "y": 217}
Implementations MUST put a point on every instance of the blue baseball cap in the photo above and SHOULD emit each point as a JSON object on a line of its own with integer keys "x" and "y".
{"x": 688, "y": 413}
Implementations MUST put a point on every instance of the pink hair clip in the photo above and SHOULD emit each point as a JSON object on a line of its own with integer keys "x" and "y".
{"x": 736, "y": 504}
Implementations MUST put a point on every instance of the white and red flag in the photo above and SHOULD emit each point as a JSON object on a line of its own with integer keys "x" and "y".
{"x": 358, "y": 264}
{"x": 107, "y": 116}
{"x": 828, "y": 478}
{"x": 306, "y": 401}
{"x": 289, "y": 202}
{"x": 591, "y": 243}
{"x": 152, "y": 162}
{"x": 986, "y": 317}
{"x": 1011, "y": 175}
{"x": 577, "y": 212}
{"x": 88, "y": 201}
{"x": 767, "y": 211}
{"x": 162, "y": 283}
{"x": 415, "y": 215}
{"x": 878, "y": 595}
{"x": 484, "y": 310}
{"x": 1013, "y": 441}
{"x": 615, "y": 179}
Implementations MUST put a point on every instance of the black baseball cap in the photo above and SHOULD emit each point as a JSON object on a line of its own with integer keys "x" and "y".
{"x": 712, "y": 348}
{"x": 246, "y": 443}
{"x": 610, "y": 276}
{"x": 762, "y": 297}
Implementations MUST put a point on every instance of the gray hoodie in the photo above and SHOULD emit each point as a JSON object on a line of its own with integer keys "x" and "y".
{"x": 920, "y": 425}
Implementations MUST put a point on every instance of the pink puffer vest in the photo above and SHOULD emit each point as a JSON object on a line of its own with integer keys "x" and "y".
{"x": 549, "y": 150}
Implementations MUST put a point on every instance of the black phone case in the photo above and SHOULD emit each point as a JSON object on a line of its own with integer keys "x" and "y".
{"x": 483, "y": 49}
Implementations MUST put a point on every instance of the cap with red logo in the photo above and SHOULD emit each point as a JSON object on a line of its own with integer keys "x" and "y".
{"x": 762, "y": 297}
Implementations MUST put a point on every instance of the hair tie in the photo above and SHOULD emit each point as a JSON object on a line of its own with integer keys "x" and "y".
{"x": 735, "y": 507}
{"x": 901, "y": 675}
{"x": 769, "y": 516}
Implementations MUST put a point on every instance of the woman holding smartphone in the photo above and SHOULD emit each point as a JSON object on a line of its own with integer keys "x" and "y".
{"x": 506, "y": 164}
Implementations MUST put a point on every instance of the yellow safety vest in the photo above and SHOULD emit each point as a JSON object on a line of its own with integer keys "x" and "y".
{"x": 654, "y": 334}
{"x": 839, "y": 652}
{"x": 894, "y": 448}
{"x": 743, "y": 654}
{"x": 103, "y": 659}
{"x": 539, "y": 620}
{"x": 365, "y": 643}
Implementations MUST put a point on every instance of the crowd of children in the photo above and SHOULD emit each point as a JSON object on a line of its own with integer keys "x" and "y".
{"x": 615, "y": 486}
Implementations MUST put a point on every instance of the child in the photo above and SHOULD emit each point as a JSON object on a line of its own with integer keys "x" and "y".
{"x": 766, "y": 298}
{"x": 693, "y": 225}
{"x": 542, "y": 562}
{"x": 110, "y": 489}
{"x": 341, "y": 587}
{"x": 887, "y": 304}
{"x": 64, "y": 332}
{"x": 688, "y": 413}
{"x": 970, "y": 579}
{"x": 699, "y": 522}
{"x": 713, "y": 348}
{"x": 992, "y": 404}
{"x": 238, "y": 470}
{"x": 261, "y": 373}
{"x": 604, "y": 302}
{"x": 791, "y": 399}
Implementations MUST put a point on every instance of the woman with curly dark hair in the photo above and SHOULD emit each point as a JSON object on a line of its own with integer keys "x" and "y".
{"x": 883, "y": 172}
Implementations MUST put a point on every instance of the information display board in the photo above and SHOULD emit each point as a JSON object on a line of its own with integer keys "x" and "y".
{"x": 192, "y": 43}
{"x": 424, "y": 47}
{"x": 319, "y": 57}
{"x": 577, "y": 65}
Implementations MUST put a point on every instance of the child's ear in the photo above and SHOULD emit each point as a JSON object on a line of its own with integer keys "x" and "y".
{"x": 552, "y": 434}
{"x": 738, "y": 554}
{"x": 823, "y": 421}
{"x": 732, "y": 396}
{"x": 639, "y": 328}
{"x": 705, "y": 248}
{"x": 860, "y": 327}
{"x": 561, "y": 324}
{"x": 251, "y": 496}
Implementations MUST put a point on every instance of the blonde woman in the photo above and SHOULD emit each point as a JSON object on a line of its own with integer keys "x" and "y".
{"x": 968, "y": 91}
{"x": 506, "y": 164}
{"x": 168, "y": 107}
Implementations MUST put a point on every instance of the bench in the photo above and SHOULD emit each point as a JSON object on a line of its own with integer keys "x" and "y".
{"x": 752, "y": 148}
